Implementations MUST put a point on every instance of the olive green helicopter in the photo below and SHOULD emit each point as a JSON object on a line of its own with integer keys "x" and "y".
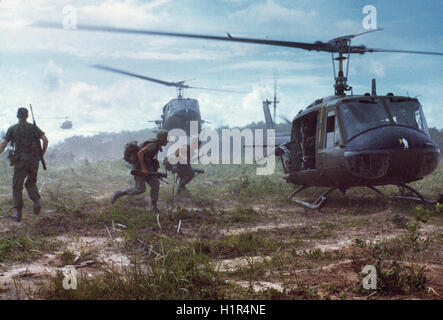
{"x": 345, "y": 140}
{"x": 178, "y": 113}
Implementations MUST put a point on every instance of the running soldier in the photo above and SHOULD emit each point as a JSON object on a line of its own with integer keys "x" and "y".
{"x": 183, "y": 168}
{"x": 25, "y": 138}
{"x": 143, "y": 160}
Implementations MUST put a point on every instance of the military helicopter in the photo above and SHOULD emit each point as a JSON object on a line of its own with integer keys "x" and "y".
{"x": 177, "y": 113}
{"x": 345, "y": 141}
{"x": 66, "y": 125}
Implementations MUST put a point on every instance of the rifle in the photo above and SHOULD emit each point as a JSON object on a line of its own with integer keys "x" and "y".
{"x": 38, "y": 140}
{"x": 198, "y": 171}
{"x": 159, "y": 175}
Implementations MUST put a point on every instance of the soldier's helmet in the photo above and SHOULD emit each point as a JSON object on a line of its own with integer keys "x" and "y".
{"x": 162, "y": 135}
{"x": 22, "y": 113}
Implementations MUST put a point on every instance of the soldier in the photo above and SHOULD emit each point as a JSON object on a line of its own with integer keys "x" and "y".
{"x": 183, "y": 169}
{"x": 144, "y": 166}
{"x": 25, "y": 137}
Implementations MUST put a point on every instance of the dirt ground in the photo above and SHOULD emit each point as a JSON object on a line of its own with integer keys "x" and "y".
{"x": 263, "y": 246}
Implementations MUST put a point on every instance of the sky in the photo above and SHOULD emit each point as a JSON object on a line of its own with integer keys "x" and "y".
{"x": 51, "y": 68}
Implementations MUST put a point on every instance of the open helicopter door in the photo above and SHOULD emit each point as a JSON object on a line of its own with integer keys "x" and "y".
{"x": 329, "y": 139}
{"x": 304, "y": 132}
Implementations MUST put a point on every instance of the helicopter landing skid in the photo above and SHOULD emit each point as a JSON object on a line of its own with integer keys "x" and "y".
{"x": 376, "y": 191}
{"x": 420, "y": 196}
{"x": 317, "y": 204}
{"x": 320, "y": 201}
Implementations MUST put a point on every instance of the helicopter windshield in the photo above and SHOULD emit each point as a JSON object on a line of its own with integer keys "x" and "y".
{"x": 407, "y": 113}
{"x": 362, "y": 115}
{"x": 177, "y": 104}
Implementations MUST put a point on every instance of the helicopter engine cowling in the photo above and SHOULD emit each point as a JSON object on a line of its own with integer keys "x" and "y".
{"x": 391, "y": 154}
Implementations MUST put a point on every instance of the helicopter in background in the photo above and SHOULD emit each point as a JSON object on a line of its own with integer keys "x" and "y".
{"x": 66, "y": 125}
{"x": 270, "y": 122}
{"x": 344, "y": 141}
{"x": 177, "y": 113}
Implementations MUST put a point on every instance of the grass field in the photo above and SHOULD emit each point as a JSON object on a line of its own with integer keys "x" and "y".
{"x": 235, "y": 236}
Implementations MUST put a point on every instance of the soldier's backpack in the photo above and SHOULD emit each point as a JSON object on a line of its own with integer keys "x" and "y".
{"x": 130, "y": 153}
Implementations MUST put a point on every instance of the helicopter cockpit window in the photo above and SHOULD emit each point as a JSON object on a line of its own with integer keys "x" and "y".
{"x": 330, "y": 130}
{"x": 337, "y": 137}
{"x": 361, "y": 115}
{"x": 407, "y": 113}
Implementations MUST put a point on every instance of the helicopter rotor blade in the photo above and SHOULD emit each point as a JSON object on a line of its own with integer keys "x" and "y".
{"x": 403, "y": 51}
{"x": 285, "y": 119}
{"x": 213, "y": 89}
{"x": 365, "y": 32}
{"x": 351, "y": 36}
{"x": 337, "y": 45}
{"x": 179, "y": 84}
{"x": 134, "y": 75}
{"x": 302, "y": 45}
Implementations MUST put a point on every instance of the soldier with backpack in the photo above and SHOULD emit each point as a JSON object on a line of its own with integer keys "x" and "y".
{"x": 25, "y": 137}
{"x": 143, "y": 160}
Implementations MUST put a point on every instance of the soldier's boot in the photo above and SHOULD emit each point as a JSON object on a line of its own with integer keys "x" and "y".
{"x": 154, "y": 207}
{"x": 17, "y": 216}
{"x": 37, "y": 207}
{"x": 117, "y": 194}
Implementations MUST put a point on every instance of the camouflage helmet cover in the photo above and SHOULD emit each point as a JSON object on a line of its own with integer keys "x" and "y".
{"x": 162, "y": 135}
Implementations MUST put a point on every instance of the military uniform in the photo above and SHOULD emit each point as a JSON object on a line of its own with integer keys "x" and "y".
{"x": 152, "y": 164}
{"x": 183, "y": 168}
{"x": 25, "y": 137}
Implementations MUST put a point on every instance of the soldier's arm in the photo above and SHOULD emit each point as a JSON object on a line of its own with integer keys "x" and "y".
{"x": 45, "y": 144}
{"x": 3, "y": 145}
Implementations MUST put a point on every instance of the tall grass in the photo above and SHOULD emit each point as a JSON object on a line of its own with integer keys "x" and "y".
{"x": 178, "y": 272}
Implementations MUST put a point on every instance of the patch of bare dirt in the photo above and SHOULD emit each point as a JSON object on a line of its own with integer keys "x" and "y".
{"x": 86, "y": 254}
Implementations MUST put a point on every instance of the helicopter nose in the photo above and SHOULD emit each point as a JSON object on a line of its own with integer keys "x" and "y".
{"x": 392, "y": 151}
{"x": 185, "y": 114}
